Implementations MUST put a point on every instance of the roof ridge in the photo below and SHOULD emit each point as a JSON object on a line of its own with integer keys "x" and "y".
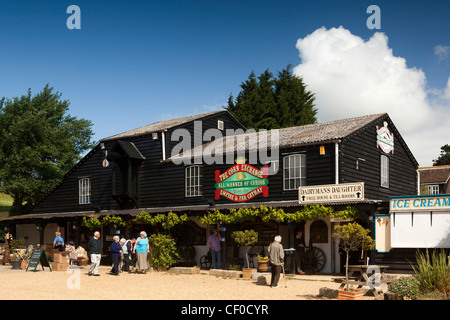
{"x": 160, "y": 125}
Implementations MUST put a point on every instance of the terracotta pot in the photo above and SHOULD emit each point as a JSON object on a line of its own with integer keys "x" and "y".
{"x": 262, "y": 266}
{"x": 357, "y": 294}
{"x": 247, "y": 272}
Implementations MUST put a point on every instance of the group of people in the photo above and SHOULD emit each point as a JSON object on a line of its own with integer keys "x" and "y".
{"x": 133, "y": 252}
{"x": 58, "y": 243}
{"x": 124, "y": 253}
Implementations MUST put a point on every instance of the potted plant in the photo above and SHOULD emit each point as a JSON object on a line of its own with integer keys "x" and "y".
{"x": 262, "y": 263}
{"x": 16, "y": 258}
{"x": 163, "y": 251}
{"x": 16, "y": 261}
{"x": 351, "y": 237}
{"x": 246, "y": 238}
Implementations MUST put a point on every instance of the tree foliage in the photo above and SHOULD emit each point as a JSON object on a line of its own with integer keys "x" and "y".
{"x": 163, "y": 250}
{"x": 444, "y": 157}
{"x": 245, "y": 238}
{"x": 267, "y": 214}
{"x": 166, "y": 221}
{"x": 268, "y": 102}
{"x": 39, "y": 143}
{"x": 352, "y": 236}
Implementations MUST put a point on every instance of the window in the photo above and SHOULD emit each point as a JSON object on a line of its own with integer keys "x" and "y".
{"x": 194, "y": 181}
{"x": 433, "y": 189}
{"x": 319, "y": 232}
{"x": 384, "y": 171}
{"x": 84, "y": 190}
{"x": 220, "y": 124}
{"x": 294, "y": 171}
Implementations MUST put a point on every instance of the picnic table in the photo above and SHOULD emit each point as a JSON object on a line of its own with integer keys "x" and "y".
{"x": 366, "y": 275}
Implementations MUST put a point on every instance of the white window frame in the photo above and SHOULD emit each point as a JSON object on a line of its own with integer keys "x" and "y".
{"x": 193, "y": 181}
{"x": 294, "y": 171}
{"x": 384, "y": 171}
{"x": 220, "y": 124}
{"x": 433, "y": 189}
{"x": 84, "y": 190}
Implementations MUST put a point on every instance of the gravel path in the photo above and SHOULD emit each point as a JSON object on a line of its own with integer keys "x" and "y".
{"x": 46, "y": 285}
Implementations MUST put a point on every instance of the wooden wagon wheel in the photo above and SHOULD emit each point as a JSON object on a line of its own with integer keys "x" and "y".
{"x": 315, "y": 258}
{"x": 205, "y": 261}
{"x": 186, "y": 252}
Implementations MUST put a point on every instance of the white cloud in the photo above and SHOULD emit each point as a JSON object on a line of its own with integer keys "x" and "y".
{"x": 441, "y": 52}
{"x": 352, "y": 77}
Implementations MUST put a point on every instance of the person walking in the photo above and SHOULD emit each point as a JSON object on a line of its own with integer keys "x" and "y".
{"x": 116, "y": 252}
{"x": 216, "y": 249}
{"x": 141, "y": 249}
{"x": 95, "y": 253}
{"x": 276, "y": 260}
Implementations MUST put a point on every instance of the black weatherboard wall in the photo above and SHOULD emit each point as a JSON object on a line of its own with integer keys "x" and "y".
{"x": 360, "y": 161}
{"x": 153, "y": 182}
{"x": 162, "y": 183}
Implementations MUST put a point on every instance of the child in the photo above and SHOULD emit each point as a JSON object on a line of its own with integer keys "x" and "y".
{"x": 73, "y": 256}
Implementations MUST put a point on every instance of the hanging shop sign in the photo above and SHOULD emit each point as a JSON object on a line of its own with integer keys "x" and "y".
{"x": 420, "y": 203}
{"x": 242, "y": 182}
{"x": 385, "y": 139}
{"x": 353, "y": 191}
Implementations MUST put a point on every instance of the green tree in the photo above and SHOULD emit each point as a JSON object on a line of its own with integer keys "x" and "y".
{"x": 352, "y": 236}
{"x": 444, "y": 157}
{"x": 268, "y": 102}
{"x": 245, "y": 238}
{"x": 39, "y": 143}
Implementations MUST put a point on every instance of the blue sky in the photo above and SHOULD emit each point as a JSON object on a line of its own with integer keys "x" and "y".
{"x": 136, "y": 62}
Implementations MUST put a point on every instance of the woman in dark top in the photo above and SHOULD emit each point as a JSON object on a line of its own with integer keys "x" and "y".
{"x": 116, "y": 250}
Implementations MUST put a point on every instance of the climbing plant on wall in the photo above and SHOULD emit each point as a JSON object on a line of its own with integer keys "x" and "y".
{"x": 278, "y": 215}
{"x": 167, "y": 221}
{"x": 93, "y": 221}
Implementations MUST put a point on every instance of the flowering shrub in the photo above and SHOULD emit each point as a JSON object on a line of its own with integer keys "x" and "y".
{"x": 405, "y": 287}
{"x": 260, "y": 258}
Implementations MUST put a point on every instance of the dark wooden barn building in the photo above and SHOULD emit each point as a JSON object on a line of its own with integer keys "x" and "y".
{"x": 177, "y": 165}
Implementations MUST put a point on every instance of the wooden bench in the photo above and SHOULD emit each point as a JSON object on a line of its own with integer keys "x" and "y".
{"x": 342, "y": 279}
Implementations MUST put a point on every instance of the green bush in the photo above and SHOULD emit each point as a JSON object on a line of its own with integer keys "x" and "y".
{"x": 405, "y": 287}
{"x": 432, "y": 274}
{"x": 433, "y": 295}
{"x": 163, "y": 250}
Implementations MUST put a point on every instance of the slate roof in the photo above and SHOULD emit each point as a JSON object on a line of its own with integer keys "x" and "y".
{"x": 159, "y": 126}
{"x": 287, "y": 137}
{"x": 436, "y": 175}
